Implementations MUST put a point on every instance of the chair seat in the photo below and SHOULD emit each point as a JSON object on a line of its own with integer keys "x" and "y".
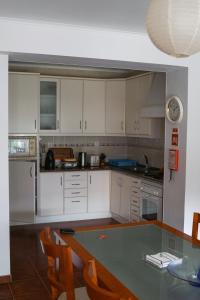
{"x": 80, "y": 294}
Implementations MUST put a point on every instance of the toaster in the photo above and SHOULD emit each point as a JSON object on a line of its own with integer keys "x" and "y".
{"x": 94, "y": 160}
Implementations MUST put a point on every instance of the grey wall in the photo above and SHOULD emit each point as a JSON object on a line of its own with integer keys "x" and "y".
{"x": 174, "y": 190}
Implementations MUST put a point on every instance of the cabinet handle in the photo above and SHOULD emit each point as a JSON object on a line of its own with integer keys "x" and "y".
{"x": 35, "y": 124}
{"x": 85, "y": 125}
{"x": 75, "y": 193}
{"x": 61, "y": 181}
{"x": 57, "y": 124}
{"x": 134, "y": 201}
{"x": 75, "y": 183}
{"x": 122, "y": 125}
{"x": 77, "y": 175}
{"x": 74, "y": 201}
{"x": 90, "y": 179}
{"x": 80, "y": 124}
{"x": 31, "y": 174}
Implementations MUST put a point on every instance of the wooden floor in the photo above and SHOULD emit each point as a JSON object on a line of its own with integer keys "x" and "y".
{"x": 29, "y": 265}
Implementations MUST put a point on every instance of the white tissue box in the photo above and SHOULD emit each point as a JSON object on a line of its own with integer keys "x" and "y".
{"x": 161, "y": 259}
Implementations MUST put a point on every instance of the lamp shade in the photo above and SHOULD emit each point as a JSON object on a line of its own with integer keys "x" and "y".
{"x": 174, "y": 26}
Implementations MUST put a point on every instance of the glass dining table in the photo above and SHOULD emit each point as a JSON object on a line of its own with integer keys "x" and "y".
{"x": 120, "y": 252}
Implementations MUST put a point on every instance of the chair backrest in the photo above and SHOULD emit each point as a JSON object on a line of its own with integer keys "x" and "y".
{"x": 60, "y": 267}
{"x": 195, "y": 225}
{"x": 94, "y": 291}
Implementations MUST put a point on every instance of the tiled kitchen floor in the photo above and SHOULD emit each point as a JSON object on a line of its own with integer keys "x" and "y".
{"x": 28, "y": 264}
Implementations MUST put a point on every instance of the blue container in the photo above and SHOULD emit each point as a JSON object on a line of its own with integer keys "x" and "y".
{"x": 122, "y": 162}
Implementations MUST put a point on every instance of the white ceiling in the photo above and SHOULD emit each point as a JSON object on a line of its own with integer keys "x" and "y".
{"x": 125, "y": 15}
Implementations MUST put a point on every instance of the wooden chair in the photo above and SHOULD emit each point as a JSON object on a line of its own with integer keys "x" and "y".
{"x": 195, "y": 225}
{"x": 94, "y": 291}
{"x": 60, "y": 269}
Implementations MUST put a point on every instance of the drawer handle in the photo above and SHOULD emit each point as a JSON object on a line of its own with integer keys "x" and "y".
{"x": 76, "y": 175}
{"x": 75, "y": 193}
{"x": 75, "y": 183}
{"x": 134, "y": 201}
{"x": 76, "y": 201}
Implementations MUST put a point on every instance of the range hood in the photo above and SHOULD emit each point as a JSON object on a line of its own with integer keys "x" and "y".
{"x": 154, "y": 105}
{"x": 153, "y": 111}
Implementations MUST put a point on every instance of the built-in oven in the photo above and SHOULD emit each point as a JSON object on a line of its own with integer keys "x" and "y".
{"x": 20, "y": 147}
{"x": 151, "y": 207}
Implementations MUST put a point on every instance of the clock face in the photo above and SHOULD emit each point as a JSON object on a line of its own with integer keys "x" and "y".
{"x": 174, "y": 110}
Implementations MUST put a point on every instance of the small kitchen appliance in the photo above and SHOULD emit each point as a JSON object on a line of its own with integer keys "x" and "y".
{"x": 69, "y": 163}
{"x": 82, "y": 159}
{"x": 50, "y": 161}
{"x": 22, "y": 147}
{"x": 94, "y": 160}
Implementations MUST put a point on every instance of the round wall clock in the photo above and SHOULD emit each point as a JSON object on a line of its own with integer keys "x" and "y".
{"x": 174, "y": 109}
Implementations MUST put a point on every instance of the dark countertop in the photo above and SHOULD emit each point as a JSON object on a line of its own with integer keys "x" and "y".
{"x": 124, "y": 171}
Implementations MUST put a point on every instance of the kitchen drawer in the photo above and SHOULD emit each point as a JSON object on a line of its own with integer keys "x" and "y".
{"x": 75, "y": 184}
{"x": 135, "y": 210}
{"x": 135, "y": 193}
{"x": 75, "y": 205}
{"x": 134, "y": 218}
{"x": 72, "y": 176}
{"x": 69, "y": 193}
{"x": 135, "y": 202}
{"x": 135, "y": 182}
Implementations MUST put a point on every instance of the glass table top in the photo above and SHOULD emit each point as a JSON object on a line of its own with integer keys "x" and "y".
{"x": 123, "y": 250}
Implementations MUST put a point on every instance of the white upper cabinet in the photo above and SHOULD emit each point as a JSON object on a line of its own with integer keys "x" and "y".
{"x": 71, "y": 105}
{"x": 23, "y": 102}
{"x": 98, "y": 191}
{"x": 138, "y": 91}
{"x": 49, "y": 104}
{"x": 94, "y": 107}
{"x": 115, "y": 107}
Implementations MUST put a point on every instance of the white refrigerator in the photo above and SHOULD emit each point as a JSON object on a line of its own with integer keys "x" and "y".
{"x": 22, "y": 188}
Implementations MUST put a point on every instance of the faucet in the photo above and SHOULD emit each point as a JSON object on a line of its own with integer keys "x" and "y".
{"x": 146, "y": 171}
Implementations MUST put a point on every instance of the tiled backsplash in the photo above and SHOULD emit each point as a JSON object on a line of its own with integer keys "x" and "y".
{"x": 112, "y": 147}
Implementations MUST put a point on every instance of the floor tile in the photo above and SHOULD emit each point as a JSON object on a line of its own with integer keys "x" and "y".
{"x": 5, "y": 293}
{"x": 27, "y": 288}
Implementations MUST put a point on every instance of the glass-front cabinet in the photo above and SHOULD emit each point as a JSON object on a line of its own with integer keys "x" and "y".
{"x": 49, "y": 104}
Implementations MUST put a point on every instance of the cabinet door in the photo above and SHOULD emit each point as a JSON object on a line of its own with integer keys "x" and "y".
{"x": 131, "y": 107}
{"x": 125, "y": 198}
{"x": 51, "y": 194}
{"x": 115, "y": 107}
{"x": 116, "y": 183}
{"x": 23, "y": 102}
{"x": 71, "y": 105}
{"x": 49, "y": 104}
{"x": 98, "y": 191}
{"x": 94, "y": 106}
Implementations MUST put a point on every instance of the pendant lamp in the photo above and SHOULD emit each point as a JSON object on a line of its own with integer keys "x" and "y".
{"x": 174, "y": 26}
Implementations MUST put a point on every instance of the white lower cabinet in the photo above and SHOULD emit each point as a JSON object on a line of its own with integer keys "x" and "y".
{"x": 116, "y": 183}
{"x": 75, "y": 192}
{"x": 98, "y": 191}
{"x": 135, "y": 199}
{"x": 125, "y": 196}
{"x": 120, "y": 195}
{"x": 76, "y": 205}
{"x": 51, "y": 194}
